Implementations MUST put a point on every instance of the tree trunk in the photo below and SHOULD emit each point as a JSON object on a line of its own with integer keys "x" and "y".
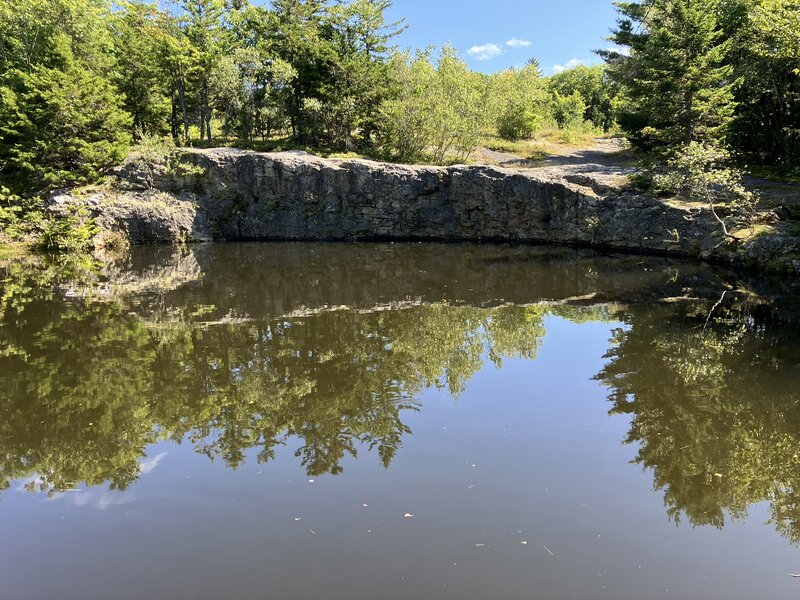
{"x": 688, "y": 132}
{"x": 182, "y": 99}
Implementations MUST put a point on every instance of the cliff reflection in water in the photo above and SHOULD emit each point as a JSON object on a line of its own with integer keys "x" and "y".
{"x": 249, "y": 346}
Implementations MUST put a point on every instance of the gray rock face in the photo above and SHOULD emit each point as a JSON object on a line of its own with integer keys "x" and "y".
{"x": 225, "y": 194}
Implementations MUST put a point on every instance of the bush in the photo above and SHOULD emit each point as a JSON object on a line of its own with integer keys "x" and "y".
{"x": 517, "y": 122}
{"x": 70, "y": 231}
{"x": 437, "y": 111}
{"x": 700, "y": 172}
{"x": 568, "y": 111}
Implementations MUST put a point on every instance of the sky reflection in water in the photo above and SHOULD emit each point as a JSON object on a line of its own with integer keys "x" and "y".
{"x": 257, "y": 420}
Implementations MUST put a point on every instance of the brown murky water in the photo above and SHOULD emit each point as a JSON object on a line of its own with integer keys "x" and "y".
{"x": 286, "y": 421}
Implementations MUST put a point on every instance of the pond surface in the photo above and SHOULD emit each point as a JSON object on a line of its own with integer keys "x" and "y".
{"x": 285, "y": 421}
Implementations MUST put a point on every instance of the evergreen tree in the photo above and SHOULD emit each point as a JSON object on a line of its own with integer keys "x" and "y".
{"x": 296, "y": 36}
{"x": 61, "y": 119}
{"x": 679, "y": 85}
{"x": 60, "y": 125}
{"x": 204, "y": 29}
{"x": 362, "y": 43}
{"x": 141, "y": 74}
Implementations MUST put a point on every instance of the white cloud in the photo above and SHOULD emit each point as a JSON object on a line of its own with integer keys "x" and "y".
{"x": 570, "y": 64}
{"x": 101, "y": 500}
{"x": 485, "y": 51}
{"x": 146, "y": 466}
{"x": 517, "y": 43}
{"x": 624, "y": 50}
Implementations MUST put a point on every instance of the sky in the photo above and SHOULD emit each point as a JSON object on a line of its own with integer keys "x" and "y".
{"x": 492, "y": 35}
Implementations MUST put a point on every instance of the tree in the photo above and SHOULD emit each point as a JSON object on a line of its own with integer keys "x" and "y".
{"x": 61, "y": 119}
{"x": 295, "y": 35}
{"x": 204, "y": 30}
{"x": 439, "y": 108}
{"x": 361, "y": 40}
{"x": 142, "y": 76}
{"x": 62, "y": 126}
{"x": 595, "y": 88}
{"x": 518, "y": 99}
{"x": 766, "y": 58}
{"x": 568, "y": 111}
{"x": 675, "y": 75}
{"x": 778, "y": 23}
{"x": 702, "y": 172}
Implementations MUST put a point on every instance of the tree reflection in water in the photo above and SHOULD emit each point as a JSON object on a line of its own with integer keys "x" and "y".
{"x": 87, "y": 383}
{"x": 715, "y": 407}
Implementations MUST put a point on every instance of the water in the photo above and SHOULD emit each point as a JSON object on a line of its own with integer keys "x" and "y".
{"x": 260, "y": 421}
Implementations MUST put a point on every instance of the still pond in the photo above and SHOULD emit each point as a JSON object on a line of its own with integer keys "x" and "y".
{"x": 295, "y": 421}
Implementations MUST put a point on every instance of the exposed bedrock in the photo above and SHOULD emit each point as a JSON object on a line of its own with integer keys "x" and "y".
{"x": 226, "y": 194}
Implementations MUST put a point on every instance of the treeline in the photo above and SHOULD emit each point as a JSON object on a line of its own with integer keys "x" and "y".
{"x": 697, "y": 83}
{"x": 718, "y": 75}
{"x": 80, "y": 80}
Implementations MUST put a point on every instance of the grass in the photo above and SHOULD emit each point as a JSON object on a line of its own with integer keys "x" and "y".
{"x": 10, "y": 250}
{"x": 527, "y": 149}
{"x": 571, "y": 138}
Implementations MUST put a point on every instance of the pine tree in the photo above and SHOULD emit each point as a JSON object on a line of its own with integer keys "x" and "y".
{"x": 361, "y": 39}
{"x": 204, "y": 29}
{"x": 296, "y": 36}
{"x": 61, "y": 118}
{"x": 61, "y": 126}
{"x": 141, "y": 74}
{"x": 675, "y": 74}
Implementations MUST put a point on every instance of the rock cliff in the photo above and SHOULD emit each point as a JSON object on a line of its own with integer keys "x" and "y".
{"x": 226, "y": 194}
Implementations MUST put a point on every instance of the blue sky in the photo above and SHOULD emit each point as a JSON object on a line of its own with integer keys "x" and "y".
{"x": 497, "y": 34}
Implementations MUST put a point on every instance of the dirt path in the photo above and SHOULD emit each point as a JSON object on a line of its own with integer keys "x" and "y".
{"x": 604, "y": 152}
{"x": 613, "y": 153}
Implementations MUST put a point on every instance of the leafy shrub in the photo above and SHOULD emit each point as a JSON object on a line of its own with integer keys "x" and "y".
{"x": 701, "y": 171}
{"x": 568, "y": 111}
{"x": 517, "y": 122}
{"x": 70, "y": 231}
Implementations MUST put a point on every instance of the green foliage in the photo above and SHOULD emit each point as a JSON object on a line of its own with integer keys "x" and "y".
{"x": 79, "y": 80}
{"x": 61, "y": 120}
{"x": 517, "y": 122}
{"x": 438, "y": 110}
{"x": 766, "y": 129}
{"x": 518, "y": 101}
{"x": 60, "y": 127}
{"x": 676, "y": 77}
{"x": 702, "y": 172}
{"x": 596, "y": 90}
{"x": 777, "y": 23}
{"x": 142, "y": 74}
{"x": 71, "y": 230}
{"x": 85, "y": 386}
{"x": 711, "y": 390}
{"x": 568, "y": 111}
